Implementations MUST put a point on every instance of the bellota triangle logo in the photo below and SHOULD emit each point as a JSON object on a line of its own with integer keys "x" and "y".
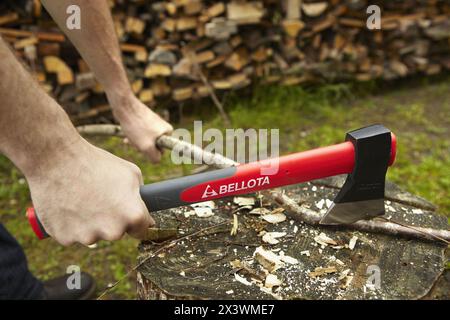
{"x": 209, "y": 192}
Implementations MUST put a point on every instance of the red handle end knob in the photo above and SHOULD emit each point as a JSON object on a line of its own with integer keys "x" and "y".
{"x": 36, "y": 224}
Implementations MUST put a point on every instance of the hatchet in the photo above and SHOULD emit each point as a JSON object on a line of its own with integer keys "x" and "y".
{"x": 364, "y": 156}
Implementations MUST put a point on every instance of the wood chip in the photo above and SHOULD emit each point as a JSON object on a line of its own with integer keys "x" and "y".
{"x": 352, "y": 242}
{"x": 272, "y": 281}
{"x": 242, "y": 280}
{"x": 204, "y": 209}
{"x": 235, "y": 227}
{"x": 306, "y": 253}
{"x": 272, "y": 237}
{"x": 260, "y": 211}
{"x": 345, "y": 279}
{"x": 274, "y": 218}
{"x": 205, "y": 204}
{"x": 319, "y": 271}
{"x": 268, "y": 259}
{"x": 314, "y": 9}
{"x": 244, "y": 201}
{"x": 324, "y": 240}
{"x": 288, "y": 259}
{"x": 320, "y": 204}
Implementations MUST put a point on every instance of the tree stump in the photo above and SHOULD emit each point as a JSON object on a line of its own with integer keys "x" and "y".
{"x": 213, "y": 264}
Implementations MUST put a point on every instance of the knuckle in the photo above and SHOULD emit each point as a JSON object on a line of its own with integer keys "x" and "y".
{"x": 169, "y": 128}
{"x": 144, "y": 146}
{"x": 113, "y": 235}
{"x": 88, "y": 239}
{"x": 66, "y": 242}
{"x": 136, "y": 170}
{"x": 111, "y": 231}
{"x": 154, "y": 156}
{"x": 137, "y": 218}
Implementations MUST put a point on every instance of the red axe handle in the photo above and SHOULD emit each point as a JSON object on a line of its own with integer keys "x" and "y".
{"x": 246, "y": 178}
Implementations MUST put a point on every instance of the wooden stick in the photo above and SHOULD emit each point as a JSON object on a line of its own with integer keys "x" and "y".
{"x": 293, "y": 209}
{"x": 44, "y": 36}
{"x": 311, "y": 217}
{"x": 100, "y": 130}
{"x": 210, "y": 88}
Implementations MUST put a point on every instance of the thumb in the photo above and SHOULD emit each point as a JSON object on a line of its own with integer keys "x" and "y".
{"x": 154, "y": 154}
{"x": 138, "y": 229}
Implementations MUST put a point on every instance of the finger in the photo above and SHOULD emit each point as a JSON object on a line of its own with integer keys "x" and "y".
{"x": 138, "y": 173}
{"x": 112, "y": 234}
{"x": 65, "y": 242}
{"x": 138, "y": 228}
{"x": 141, "y": 179}
{"x": 89, "y": 238}
{"x": 154, "y": 154}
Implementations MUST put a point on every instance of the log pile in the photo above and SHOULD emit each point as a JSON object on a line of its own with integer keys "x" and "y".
{"x": 178, "y": 49}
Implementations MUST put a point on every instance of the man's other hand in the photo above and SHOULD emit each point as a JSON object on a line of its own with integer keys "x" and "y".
{"x": 141, "y": 125}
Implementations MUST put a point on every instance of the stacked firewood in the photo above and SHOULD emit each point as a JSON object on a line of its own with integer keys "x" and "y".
{"x": 184, "y": 49}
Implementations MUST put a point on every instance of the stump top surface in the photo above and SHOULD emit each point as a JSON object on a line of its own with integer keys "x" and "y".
{"x": 204, "y": 266}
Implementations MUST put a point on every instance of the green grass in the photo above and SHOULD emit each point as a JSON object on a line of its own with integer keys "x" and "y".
{"x": 307, "y": 117}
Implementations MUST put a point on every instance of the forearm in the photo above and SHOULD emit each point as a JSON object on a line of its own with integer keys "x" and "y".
{"x": 33, "y": 127}
{"x": 98, "y": 45}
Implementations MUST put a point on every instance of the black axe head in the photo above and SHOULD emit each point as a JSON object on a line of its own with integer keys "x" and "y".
{"x": 362, "y": 195}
